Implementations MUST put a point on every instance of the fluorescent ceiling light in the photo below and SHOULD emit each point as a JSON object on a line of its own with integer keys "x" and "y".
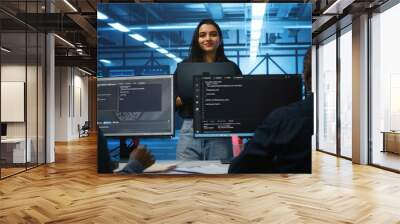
{"x": 254, "y": 42}
{"x": 70, "y": 5}
{"x": 5, "y": 50}
{"x": 119, "y": 27}
{"x": 195, "y": 6}
{"x": 256, "y": 24}
{"x": 258, "y": 10}
{"x": 257, "y": 19}
{"x": 162, "y": 51}
{"x": 254, "y": 46}
{"x": 151, "y": 44}
{"x": 178, "y": 60}
{"x": 333, "y": 6}
{"x": 170, "y": 55}
{"x": 337, "y": 7}
{"x": 105, "y": 61}
{"x": 65, "y": 41}
{"x": 137, "y": 37}
{"x": 86, "y": 72}
{"x": 101, "y": 16}
{"x": 255, "y": 36}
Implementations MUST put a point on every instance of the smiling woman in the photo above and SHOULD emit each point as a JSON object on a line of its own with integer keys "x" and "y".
{"x": 207, "y": 46}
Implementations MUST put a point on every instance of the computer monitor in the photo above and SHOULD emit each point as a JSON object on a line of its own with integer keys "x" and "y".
{"x": 185, "y": 72}
{"x": 3, "y": 130}
{"x": 226, "y": 105}
{"x": 136, "y": 106}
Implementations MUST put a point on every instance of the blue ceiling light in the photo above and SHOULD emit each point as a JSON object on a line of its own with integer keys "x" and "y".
{"x": 257, "y": 19}
{"x": 151, "y": 44}
{"x": 105, "y": 61}
{"x": 137, "y": 37}
{"x": 170, "y": 55}
{"x": 195, "y": 6}
{"x": 178, "y": 60}
{"x": 119, "y": 27}
{"x": 101, "y": 16}
{"x": 162, "y": 51}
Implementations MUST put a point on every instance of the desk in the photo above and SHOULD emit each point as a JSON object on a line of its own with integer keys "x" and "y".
{"x": 13, "y": 150}
{"x": 185, "y": 167}
{"x": 391, "y": 141}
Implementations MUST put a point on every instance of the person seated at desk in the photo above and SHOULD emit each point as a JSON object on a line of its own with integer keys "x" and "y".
{"x": 282, "y": 143}
{"x": 139, "y": 159}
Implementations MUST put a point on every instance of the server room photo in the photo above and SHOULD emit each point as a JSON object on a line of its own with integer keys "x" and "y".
{"x": 183, "y": 88}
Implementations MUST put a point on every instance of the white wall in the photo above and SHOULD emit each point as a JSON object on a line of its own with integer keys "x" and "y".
{"x": 14, "y": 73}
{"x": 33, "y": 126}
{"x": 71, "y": 102}
{"x": 61, "y": 103}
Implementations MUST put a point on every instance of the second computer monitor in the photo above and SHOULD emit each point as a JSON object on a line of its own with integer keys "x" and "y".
{"x": 136, "y": 106}
{"x": 185, "y": 72}
{"x": 225, "y": 105}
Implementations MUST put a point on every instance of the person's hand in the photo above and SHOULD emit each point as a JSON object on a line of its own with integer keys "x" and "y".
{"x": 178, "y": 101}
{"x": 142, "y": 155}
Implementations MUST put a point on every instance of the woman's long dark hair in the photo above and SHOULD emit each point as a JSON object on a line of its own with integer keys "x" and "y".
{"x": 196, "y": 53}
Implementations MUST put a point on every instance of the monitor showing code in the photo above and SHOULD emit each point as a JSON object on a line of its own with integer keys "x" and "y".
{"x": 226, "y": 105}
{"x": 135, "y": 106}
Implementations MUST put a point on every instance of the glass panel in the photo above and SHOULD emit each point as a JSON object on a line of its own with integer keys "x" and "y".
{"x": 31, "y": 97}
{"x": 385, "y": 84}
{"x": 327, "y": 96}
{"x": 32, "y": 84}
{"x": 346, "y": 94}
{"x": 13, "y": 87}
{"x": 41, "y": 99}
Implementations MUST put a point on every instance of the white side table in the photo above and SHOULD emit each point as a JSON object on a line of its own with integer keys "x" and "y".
{"x": 18, "y": 147}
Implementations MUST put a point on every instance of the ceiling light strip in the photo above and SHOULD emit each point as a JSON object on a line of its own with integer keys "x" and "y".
{"x": 65, "y": 41}
{"x": 70, "y": 5}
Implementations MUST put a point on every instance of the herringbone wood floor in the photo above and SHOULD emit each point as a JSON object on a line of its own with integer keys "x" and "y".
{"x": 70, "y": 191}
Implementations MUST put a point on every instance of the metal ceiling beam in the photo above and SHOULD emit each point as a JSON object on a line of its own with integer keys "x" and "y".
{"x": 85, "y": 61}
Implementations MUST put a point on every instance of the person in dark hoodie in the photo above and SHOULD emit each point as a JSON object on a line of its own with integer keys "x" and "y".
{"x": 282, "y": 142}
